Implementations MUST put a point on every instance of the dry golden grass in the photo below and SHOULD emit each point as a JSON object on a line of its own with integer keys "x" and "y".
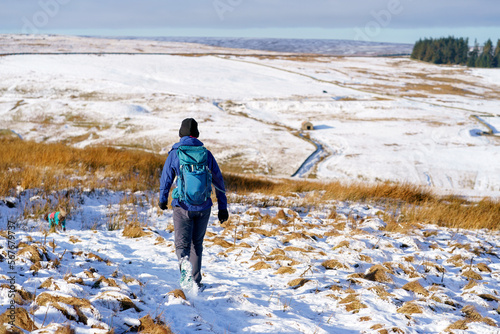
{"x": 472, "y": 283}
{"x": 333, "y": 190}
{"x": 285, "y": 270}
{"x": 298, "y": 282}
{"x": 47, "y": 166}
{"x": 64, "y": 330}
{"x": 459, "y": 324}
{"x": 261, "y": 265}
{"x": 353, "y": 304}
{"x": 22, "y": 320}
{"x": 415, "y": 287}
{"x": 417, "y": 204}
{"x": 52, "y": 167}
{"x": 70, "y": 278}
{"x": 74, "y": 239}
{"x": 221, "y": 242}
{"x": 343, "y": 243}
{"x": 295, "y": 249}
{"x": 409, "y": 308}
{"x": 134, "y": 230}
{"x": 123, "y": 301}
{"x": 98, "y": 258}
{"x": 365, "y": 258}
{"x": 483, "y": 267}
{"x": 31, "y": 252}
{"x": 130, "y": 279}
{"x": 437, "y": 88}
{"x": 471, "y": 315}
{"x": 488, "y": 297}
{"x": 378, "y": 273}
{"x": 470, "y": 274}
{"x": 108, "y": 281}
{"x": 456, "y": 260}
{"x": 49, "y": 284}
{"x": 47, "y": 299}
{"x": 21, "y": 296}
{"x": 429, "y": 264}
{"x": 277, "y": 251}
{"x": 153, "y": 326}
{"x": 381, "y": 292}
{"x": 178, "y": 293}
{"x": 430, "y": 233}
{"x": 456, "y": 214}
{"x": 333, "y": 264}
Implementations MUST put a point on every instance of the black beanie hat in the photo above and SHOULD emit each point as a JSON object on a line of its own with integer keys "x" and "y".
{"x": 189, "y": 127}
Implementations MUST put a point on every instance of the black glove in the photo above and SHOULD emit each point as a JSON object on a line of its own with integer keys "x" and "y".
{"x": 223, "y": 215}
{"x": 162, "y": 205}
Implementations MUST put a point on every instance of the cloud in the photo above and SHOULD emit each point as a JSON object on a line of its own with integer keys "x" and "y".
{"x": 242, "y": 14}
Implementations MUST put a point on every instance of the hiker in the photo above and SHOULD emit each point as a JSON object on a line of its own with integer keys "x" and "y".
{"x": 191, "y": 207}
{"x": 56, "y": 219}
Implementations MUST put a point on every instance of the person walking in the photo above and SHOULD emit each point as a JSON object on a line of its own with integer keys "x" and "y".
{"x": 196, "y": 170}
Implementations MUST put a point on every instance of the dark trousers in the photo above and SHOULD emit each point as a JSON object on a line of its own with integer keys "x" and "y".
{"x": 190, "y": 228}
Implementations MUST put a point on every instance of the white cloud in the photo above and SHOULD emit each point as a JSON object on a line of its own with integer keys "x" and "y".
{"x": 247, "y": 14}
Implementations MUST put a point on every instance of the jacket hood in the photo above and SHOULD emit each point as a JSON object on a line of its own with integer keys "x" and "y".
{"x": 188, "y": 141}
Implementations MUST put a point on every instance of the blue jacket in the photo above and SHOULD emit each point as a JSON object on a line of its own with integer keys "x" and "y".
{"x": 171, "y": 169}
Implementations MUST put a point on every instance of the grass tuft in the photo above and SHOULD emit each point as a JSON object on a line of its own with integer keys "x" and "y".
{"x": 134, "y": 230}
{"x": 333, "y": 264}
{"x": 178, "y": 293}
{"x": 22, "y": 320}
{"x": 409, "y": 308}
{"x": 261, "y": 265}
{"x": 153, "y": 326}
{"x": 378, "y": 273}
{"x": 65, "y": 330}
{"x": 285, "y": 270}
{"x": 353, "y": 304}
{"x": 416, "y": 287}
{"x": 470, "y": 274}
{"x": 298, "y": 282}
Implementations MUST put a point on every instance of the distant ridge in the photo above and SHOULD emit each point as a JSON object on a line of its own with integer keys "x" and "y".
{"x": 17, "y": 44}
{"x": 295, "y": 45}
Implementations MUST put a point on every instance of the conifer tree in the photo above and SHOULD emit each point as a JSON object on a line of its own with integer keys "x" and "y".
{"x": 463, "y": 51}
{"x": 486, "y": 57}
{"x": 473, "y": 56}
{"x": 496, "y": 55}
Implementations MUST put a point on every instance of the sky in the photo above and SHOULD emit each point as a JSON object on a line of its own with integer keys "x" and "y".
{"x": 402, "y": 21}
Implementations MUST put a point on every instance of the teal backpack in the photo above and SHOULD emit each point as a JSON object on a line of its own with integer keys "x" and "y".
{"x": 194, "y": 183}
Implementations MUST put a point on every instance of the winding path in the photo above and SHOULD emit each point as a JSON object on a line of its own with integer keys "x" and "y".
{"x": 312, "y": 160}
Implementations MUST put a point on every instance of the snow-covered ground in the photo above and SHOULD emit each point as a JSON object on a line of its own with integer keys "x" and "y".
{"x": 310, "y": 46}
{"x": 195, "y": 45}
{"x": 378, "y": 119}
{"x": 284, "y": 268}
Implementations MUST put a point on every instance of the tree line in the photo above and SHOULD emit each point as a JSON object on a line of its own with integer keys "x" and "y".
{"x": 451, "y": 50}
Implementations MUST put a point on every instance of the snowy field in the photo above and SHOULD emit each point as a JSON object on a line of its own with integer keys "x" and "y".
{"x": 279, "y": 269}
{"x": 282, "y": 264}
{"x": 378, "y": 119}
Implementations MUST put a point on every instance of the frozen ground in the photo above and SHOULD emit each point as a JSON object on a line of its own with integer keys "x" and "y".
{"x": 284, "y": 268}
